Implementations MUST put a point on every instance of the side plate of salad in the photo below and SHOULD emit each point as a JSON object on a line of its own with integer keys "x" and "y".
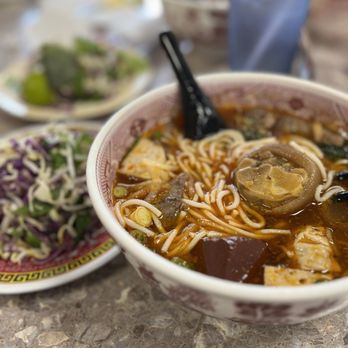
{"x": 49, "y": 232}
{"x": 85, "y": 80}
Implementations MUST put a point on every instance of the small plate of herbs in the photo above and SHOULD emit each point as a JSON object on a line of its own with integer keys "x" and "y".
{"x": 85, "y": 80}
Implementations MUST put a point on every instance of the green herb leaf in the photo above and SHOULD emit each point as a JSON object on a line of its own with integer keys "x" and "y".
{"x": 252, "y": 134}
{"x": 63, "y": 70}
{"x": 120, "y": 191}
{"x": 85, "y": 46}
{"x": 140, "y": 236}
{"x": 157, "y": 135}
{"x": 128, "y": 64}
{"x": 55, "y": 193}
{"x": 183, "y": 263}
{"x": 32, "y": 240}
{"x": 23, "y": 211}
{"x": 58, "y": 160}
{"x": 335, "y": 152}
{"x": 82, "y": 222}
{"x": 40, "y": 209}
{"x": 83, "y": 143}
{"x": 15, "y": 232}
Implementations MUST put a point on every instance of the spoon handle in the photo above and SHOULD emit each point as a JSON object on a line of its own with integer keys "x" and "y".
{"x": 180, "y": 67}
{"x": 200, "y": 116}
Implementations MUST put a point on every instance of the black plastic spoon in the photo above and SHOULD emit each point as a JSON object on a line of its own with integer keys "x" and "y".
{"x": 200, "y": 116}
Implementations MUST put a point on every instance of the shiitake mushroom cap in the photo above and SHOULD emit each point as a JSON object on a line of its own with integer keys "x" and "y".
{"x": 286, "y": 154}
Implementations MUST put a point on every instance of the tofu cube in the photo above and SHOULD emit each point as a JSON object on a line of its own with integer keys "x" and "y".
{"x": 281, "y": 276}
{"x": 313, "y": 250}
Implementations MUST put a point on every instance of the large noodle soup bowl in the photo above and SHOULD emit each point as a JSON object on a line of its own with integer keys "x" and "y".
{"x": 216, "y": 297}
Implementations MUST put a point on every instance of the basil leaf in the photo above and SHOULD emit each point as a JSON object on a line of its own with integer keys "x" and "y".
{"x": 32, "y": 240}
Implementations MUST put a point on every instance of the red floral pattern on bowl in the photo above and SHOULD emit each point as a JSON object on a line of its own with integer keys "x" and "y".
{"x": 216, "y": 297}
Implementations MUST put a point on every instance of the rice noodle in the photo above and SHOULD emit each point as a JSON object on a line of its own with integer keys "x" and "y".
{"x": 236, "y": 198}
{"x": 325, "y": 191}
{"x": 225, "y": 169}
{"x": 219, "y": 202}
{"x": 213, "y": 195}
{"x": 243, "y": 209}
{"x": 198, "y": 236}
{"x": 231, "y": 227}
{"x": 312, "y": 156}
{"x": 136, "y": 226}
{"x": 197, "y": 204}
{"x": 207, "y": 198}
{"x": 158, "y": 223}
{"x": 251, "y": 145}
{"x": 341, "y": 162}
{"x": 274, "y": 231}
{"x": 141, "y": 202}
{"x": 309, "y": 145}
{"x": 169, "y": 241}
{"x": 328, "y": 194}
{"x": 119, "y": 216}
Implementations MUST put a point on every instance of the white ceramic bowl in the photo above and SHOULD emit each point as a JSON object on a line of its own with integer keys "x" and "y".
{"x": 202, "y": 21}
{"x": 209, "y": 295}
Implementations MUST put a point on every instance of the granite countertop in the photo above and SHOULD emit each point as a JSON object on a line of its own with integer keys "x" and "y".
{"x": 113, "y": 308}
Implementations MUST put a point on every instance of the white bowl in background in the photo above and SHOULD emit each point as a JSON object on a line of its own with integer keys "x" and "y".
{"x": 202, "y": 21}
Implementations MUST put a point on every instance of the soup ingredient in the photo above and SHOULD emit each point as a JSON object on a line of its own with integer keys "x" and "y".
{"x": 36, "y": 90}
{"x": 120, "y": 191}
{"x": 146, "y": 161}
{"x": 235, "y": 258}
{"x": 313, "y": 250}
{"x": 254, "y": 123}
{"x": 44, "y": 205}
{"x": 312, "y": 255}
{"x": 169, "y": 202}
{"x": 281, "y": 276}
{"x": 335, "y": 214}
{"x": 140, "y": 236}
{"x": 142, "y": 216}
{"x": 291, "y": 125}
{"x": 277, "y": 179}
{"x": 335, "y": 152}
{"x": 183, "y": 263}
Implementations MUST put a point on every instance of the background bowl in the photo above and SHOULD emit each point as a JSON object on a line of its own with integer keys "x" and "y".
{"x": 202, "y": 21}
{"x": 209, "y": 295}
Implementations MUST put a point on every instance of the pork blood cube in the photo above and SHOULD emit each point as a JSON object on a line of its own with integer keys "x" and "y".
{"x": 234, "y": 258}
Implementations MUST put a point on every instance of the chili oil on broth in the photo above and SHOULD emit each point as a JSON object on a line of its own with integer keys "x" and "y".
{"x": 196, "y": 214}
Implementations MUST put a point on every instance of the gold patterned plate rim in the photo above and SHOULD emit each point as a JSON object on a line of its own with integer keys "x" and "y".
{"x": 71, "y": 268}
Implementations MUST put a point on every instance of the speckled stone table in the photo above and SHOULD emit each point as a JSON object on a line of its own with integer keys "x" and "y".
{"x": 113, "y": 308}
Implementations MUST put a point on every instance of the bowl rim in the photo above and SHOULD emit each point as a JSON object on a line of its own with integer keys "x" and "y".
{"x": 203, "y": 5}
{"x": 225, "y": 288}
